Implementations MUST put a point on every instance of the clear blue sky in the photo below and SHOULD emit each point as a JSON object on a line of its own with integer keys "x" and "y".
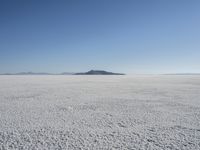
{"x": 131, "y": 36}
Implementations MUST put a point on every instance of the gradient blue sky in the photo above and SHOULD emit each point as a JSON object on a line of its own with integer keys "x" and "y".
{"x": 131, "y": 36}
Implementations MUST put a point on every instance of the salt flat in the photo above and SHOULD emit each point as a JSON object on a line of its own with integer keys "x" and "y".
{"x": 100, "y": 112}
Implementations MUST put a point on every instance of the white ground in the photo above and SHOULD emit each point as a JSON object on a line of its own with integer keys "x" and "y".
{"x": 100, "y": 112}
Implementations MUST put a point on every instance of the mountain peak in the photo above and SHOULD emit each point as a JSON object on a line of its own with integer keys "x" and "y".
{"x": 98, "y": 72}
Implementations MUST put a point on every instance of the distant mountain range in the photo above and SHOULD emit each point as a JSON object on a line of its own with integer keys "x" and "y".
{"x": 183, "y": 74}
{"x": 98, "y": 72}
{"x": 91, "y": 72}
{"x": 37, "y": 73}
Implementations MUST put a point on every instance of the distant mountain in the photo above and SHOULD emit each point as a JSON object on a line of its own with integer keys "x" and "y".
{"x": 37, "y": 73}
{"x": 67, "y": 73}
{"x": 98, "y": 72}
{"x": 33, "y": 73}
{"x": 91, "y": 72}
{"x": 28, "y": 73}
{"x": 183, "y": 74}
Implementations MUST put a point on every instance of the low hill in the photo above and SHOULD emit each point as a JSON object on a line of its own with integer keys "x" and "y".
{"x": 98, "y": 72}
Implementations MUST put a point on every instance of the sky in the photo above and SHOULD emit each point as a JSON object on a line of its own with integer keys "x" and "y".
{"x": 129, "y": 36}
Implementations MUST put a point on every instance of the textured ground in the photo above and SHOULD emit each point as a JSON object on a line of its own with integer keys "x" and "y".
{"x": 100, "y": 112}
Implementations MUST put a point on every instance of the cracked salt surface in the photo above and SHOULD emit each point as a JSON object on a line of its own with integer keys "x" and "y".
{"x": 100, "y": 112}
